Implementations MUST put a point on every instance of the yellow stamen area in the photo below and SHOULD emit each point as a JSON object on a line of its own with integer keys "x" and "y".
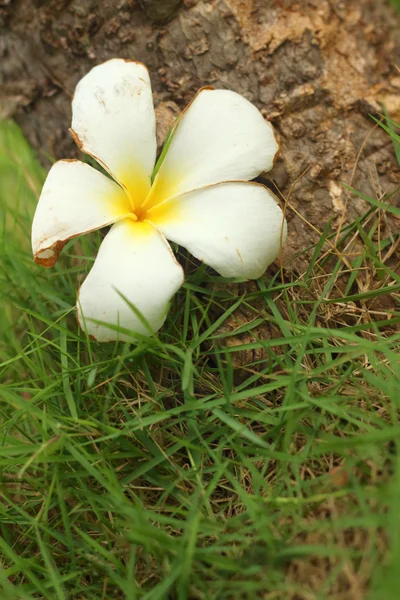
{"x": 120, "y": 203}
{"x": 164, "y": 213}
{"x": 142, "y": 202}
{"x": 137, "y": 186}
{"x": 141, "y": 229}
{"x": 164, "y": 186}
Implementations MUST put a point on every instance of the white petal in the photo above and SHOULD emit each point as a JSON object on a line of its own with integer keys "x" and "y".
{"x": 221, "y": 136}
{"x": 135, "y": 260}
{"x": 236, "y": 228}
{"x": 75, "y": 199}
{"x": 113, "y": 120}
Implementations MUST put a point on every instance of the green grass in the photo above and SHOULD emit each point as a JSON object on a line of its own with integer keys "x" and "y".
{"x": 396, "y": 3}
{"x": 168, "y": 470}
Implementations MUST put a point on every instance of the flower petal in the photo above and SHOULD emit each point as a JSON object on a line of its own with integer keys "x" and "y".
{"x": 75, "y": 199}
{"x": 135, "y": 260}
{"x": 221, "y": 136}
{"x": 237, "y": 228}
{"x": 113, "y": 120}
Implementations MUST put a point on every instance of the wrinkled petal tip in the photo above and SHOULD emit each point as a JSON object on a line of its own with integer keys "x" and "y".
{"x": 82, "y": 323}
{"x": 117, "y": 59}
{"x": 84, "y": 150}
{"x": 130, "y": 60}
{"x": 75, "y": 199}
{"x": 47, "y": 257}
{"x": 89, "y": 335}
{"x": 112, "y": 60}
{"x": 76, "y": 139}
{"x": 113, "y": 118}
{"x": 105, "y": 335}
{"x": 278, "y": 146}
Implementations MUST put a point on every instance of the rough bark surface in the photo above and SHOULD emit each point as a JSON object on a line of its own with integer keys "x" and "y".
{"x": 316, "y": 69}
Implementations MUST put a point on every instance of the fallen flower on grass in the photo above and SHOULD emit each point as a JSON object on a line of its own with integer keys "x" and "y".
{"x": 197, "y": 195}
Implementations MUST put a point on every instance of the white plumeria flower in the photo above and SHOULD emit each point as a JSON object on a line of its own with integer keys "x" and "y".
{"x": 200, "y": 198}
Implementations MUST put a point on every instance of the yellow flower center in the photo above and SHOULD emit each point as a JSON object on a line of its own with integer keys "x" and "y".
{"x": 143, "y": 197}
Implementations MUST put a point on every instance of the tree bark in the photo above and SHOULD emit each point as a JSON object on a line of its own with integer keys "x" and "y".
{"x": 317, "y": 69}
